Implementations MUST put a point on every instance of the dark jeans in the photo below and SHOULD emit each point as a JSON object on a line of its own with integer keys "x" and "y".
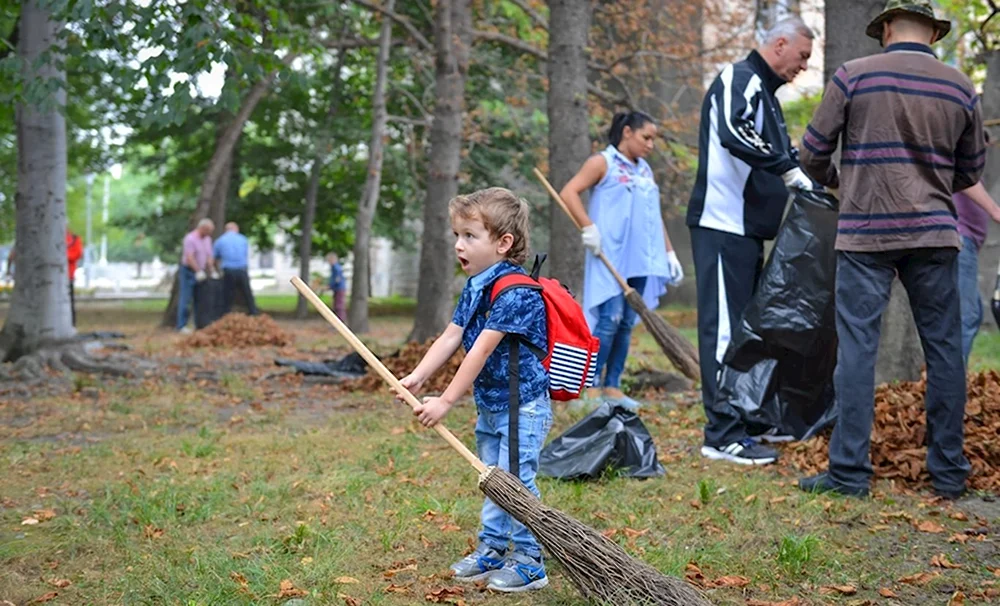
{"x": 186, "y": 295}
{"x": 233, "y": 280}
{"x": 930, "y": 276}
{"x": 726, "y": 268}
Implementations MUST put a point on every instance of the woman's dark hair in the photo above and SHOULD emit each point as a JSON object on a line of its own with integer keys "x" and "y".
{"x": 633, "y": 120}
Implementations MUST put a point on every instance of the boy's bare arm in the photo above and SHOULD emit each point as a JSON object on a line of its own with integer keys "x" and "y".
{"x": 443, "y": 348}
{"x": 434, "y": 409}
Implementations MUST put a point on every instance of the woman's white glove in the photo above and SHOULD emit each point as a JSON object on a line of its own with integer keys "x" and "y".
{"x": 675, "y": 272}
{"x": 591, "y": 237}
{"x": 200, "y": 276}
{"x": 796, "y": 179}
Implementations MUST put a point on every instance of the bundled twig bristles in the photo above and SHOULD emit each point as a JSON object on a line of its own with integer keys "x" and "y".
{"x": 599, "y": 568}
{"x": 679, "y": 350}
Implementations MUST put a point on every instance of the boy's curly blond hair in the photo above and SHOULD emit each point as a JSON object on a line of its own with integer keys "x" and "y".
{"x": 501, "y": 212}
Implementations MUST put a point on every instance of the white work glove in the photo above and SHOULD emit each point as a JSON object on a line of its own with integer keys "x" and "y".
{"x": 675, "y": 272}
{"x": 796, "y": 179}
{"x": 215, "y": 275}
{"x": 591, "y": 237}
{"x": 200, "y": 276}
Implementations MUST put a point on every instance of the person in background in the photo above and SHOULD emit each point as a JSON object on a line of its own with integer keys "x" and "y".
{"x": 746, "y": 166}
{"x": 623, "y": 220}
{"x": 911, "y": 131}
{"x": 338, "y": 285}
{"x": 975, "y": 208}
{"x": 232, "y": 251}
{"x": 74, "y": 251}
{"x": 196, "y": 262}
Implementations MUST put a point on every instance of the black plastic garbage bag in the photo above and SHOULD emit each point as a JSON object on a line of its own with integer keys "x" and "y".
{"x": 778, "y": 368}
{"x": 350, "y": 366}
{"x": 209, "y": 305}
{"x": 611, "y": 436}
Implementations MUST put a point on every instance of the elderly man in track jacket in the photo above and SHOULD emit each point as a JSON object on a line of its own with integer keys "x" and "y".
{"x": 746, "y": 163}
{"x": 912, "y": 134}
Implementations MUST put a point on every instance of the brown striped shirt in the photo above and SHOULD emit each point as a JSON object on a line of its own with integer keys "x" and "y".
{"x": 911, "y": 133}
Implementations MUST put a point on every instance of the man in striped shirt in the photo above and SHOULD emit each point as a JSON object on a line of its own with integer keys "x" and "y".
{"x": 912, "y": 134}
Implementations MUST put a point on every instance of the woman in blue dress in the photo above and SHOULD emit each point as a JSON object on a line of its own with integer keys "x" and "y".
{"x": 625, "y": 223}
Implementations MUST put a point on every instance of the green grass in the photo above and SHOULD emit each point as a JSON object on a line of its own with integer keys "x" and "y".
{"x": 173, "y": 492}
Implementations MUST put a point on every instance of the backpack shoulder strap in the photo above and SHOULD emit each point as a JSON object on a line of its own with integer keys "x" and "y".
{"x": 515, "y": 280}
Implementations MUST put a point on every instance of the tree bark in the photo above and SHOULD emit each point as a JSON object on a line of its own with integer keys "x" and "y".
{"x": 989, "y": 254}
{"x": 569, "y": 135}
{"x": 216, "y": 168}
{"x": 312, "y": 190}
{"x": 40, "y": 307}
{"x": 900, "y": 357}
{"x": 452, "y": 37}
{"x": 360, "y": 283}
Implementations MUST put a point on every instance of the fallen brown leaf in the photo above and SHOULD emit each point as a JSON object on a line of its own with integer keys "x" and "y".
{"x": 886, "y": 593}
{"x": 731, "y": 581}
{"x": 920, "y": 578}
{"x": 346, "y": 580}
{"x": 941, "y": 561}
{"x": 450, "y": 528}
{"x": 838, "y": 589}
{"x": 287, "y": 590}
{"x": 60, "y": 583}
{"x": 788, "y": 602}
{"x": 348, "y": 600}
{"x": 695, "y": 576}
{"x": 958, "y": 515}
{"x": 930, "y": 527}
{"x": 958, "y": 538}
{"x": 957, "y": 599}
{"x": 444, "y": 594}
{"x": 394, "y": 588}
{"x": 239, "y": 579}
{"x": 44, "y": 515}
{"x": 152, "y": 532}
{"x": 45, "y": 597}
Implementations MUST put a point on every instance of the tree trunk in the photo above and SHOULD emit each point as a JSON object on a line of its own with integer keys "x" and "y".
{"x": 452, "y": 37}
{"x": 40, "y": 308}
{"x": 569, "y": 135}
{"x": 217, "y": 166}
{"x": 360, "y": 284}
{"x": 900, "y": 357}
{"x": 989, "y": 254}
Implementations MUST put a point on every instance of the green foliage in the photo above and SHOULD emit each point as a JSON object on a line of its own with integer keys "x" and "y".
{"x": 796, "y": 552}
{"x": 798, "y": 113}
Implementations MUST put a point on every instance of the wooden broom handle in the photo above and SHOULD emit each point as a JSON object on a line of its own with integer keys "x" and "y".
{"x": 562, "y": 203}
{"x": 380, "y": 368}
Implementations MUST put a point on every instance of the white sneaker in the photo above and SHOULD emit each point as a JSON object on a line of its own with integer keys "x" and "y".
{"x": 187, "y": 330}
{"x": 744, "y": 452}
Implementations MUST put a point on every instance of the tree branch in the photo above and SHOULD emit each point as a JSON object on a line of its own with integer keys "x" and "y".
{"x": 400, "y": 19}
{"x": 410, "y": 121}
{"x": 537, "y": 17}
{"x": 349, "y": 43}
{"x": 512, "y": 42}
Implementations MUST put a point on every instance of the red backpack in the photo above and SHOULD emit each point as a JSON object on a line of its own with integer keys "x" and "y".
{"x": 571, "y": 355}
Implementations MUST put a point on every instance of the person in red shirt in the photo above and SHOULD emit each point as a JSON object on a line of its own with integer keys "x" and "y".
{"x": 74, "y": 250}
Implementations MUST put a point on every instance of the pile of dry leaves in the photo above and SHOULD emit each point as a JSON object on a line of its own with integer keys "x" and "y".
{"x": 402, "y": 363}
{"x": 240, "y": 330}
{"x": 898, "y": 450}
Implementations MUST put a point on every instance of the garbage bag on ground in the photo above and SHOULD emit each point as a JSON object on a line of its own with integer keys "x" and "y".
{"x": 209, "y": 304}
{"x": 611, "y": 436}
{"x": 778, "y": 368}
{"x": 350, "y": 366}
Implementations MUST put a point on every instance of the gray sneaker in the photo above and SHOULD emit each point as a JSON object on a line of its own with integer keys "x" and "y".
{"x": 478, "y": 565}
{"x": 520, "y": 573}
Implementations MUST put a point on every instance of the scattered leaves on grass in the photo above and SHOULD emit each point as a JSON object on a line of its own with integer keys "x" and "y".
{"x": 348, "y": 600}
{"x": 788, "y": 602}
{"x": 887, "y": 593}
{"x": 838, "y": 590}
{"x": 152, "y": 532}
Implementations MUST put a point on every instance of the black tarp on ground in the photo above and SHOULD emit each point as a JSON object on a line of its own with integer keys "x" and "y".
{"x": 778, "y": 368}
{"x": 611, "y": 436}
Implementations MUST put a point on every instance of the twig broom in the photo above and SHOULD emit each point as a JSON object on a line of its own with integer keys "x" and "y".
{"x": 599, "y": 568}
{"x": 679, "y": 350}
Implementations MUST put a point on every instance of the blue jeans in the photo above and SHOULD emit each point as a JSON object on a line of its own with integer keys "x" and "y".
{"x": 534, "y": 422}
{"x": 186, "y": 298}
{"x": 615, "y": 318}
{"x": 968, "y": 292}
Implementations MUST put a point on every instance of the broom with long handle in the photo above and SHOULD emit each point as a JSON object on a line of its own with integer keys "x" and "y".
{"x": 600, "y": 569}
{"x": 679, "y": 350}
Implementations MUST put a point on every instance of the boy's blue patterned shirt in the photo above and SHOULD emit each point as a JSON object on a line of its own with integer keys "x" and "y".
{"x": 519, "y": 311}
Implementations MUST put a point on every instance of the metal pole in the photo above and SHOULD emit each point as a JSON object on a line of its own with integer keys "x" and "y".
{"x": 88, "y": 246}
{"x": 104, "y": 220}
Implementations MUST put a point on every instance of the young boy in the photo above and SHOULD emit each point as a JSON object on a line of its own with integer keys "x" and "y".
{"x": 337, "y": 285}
{"x": 491, "y": 238}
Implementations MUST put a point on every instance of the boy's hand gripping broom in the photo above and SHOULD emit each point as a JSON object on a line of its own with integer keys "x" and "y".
{"x": 599, "y": 568}
{"x": 679, "y": 350}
